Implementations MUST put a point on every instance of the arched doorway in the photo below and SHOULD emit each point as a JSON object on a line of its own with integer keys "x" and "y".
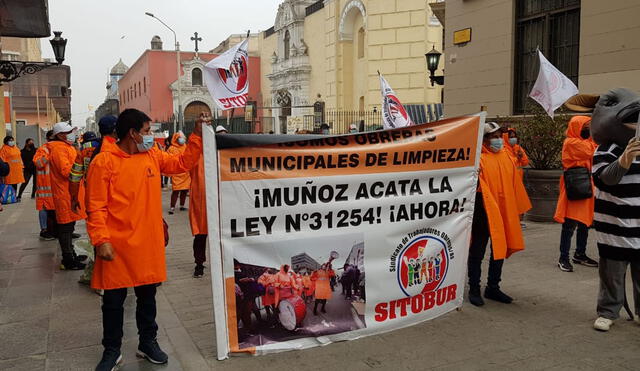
{"x": 192, "y": 112}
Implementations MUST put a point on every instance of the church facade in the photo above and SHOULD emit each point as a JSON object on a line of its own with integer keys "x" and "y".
{"x": 332, "y": 50}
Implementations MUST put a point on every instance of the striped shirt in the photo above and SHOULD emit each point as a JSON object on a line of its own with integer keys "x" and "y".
{"x": 617, "y": 207}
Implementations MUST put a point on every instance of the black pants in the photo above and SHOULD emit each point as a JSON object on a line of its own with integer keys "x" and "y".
{"x": 200, "y": 248}
{"x": 113, "y": 315}
{"x": 64, "y": 234}
{"x": 479, "y": 239}
{"x": 28, "y": 173}
{"x": 174, "y": 197}
{"x": 15, "y": 188}
{"x": 52, "y": 223}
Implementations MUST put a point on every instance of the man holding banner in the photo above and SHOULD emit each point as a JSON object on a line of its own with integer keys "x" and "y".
{"x": 500, "y": 200}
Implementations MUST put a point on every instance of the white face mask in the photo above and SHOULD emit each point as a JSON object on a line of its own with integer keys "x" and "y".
{"x": 71, "y": 137}
{"x": 11, "y": 143}
{"x": 182, "y": 141}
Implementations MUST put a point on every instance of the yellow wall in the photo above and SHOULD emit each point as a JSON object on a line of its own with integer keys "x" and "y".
{"x": 267, "y": 47}
{"x": 317, "y": 54}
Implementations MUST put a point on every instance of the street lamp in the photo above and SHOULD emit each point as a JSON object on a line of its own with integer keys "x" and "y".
{"x": 175, "y": 38}
{"x": 11, "y": 70}
{"x": 433, "y": 59}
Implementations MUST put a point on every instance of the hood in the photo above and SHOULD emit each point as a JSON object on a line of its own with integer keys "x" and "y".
{"x": 575, "y": 126}
{"x": 174, "y": 139}
{"x": 505, "y": 137}
{"x": 115, "y": 150}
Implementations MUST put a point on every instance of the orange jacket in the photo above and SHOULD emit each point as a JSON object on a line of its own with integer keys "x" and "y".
{"x": 322, "y": 280}
{"x": 44, "y": 195}
{"x": 182, "y": 181}
{"x": 505, "y": 199}
{"x": 79, "y": 171}
{"x": 517, "y": 153}
{"x": 125, "y": 209}
{"x": 11, "y": 155}
{"x": 576, "y": 152}
{"x": 198, "y": 200}
{"x": 62, "y": 157}
{"x": 268, "y": 280}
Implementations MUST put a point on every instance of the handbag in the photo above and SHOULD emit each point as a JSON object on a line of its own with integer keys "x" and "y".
{"x": 577, "y": 183}
{"x": 7, "y": 194}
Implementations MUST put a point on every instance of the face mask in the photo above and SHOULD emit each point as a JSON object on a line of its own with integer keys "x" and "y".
{"x": 11, "y": 143}
{"x": 495, "y": 144}
{"x": 182, "y": 141}
{"x": 71, "y": 138}
{"x": 353, "y": 131}
{"x": 513, "y": 141}
{"x": 147, "y": 143}
{"x": 585, "y": 133}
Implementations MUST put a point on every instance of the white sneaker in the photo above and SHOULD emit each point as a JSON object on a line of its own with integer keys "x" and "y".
{"x": 602, "y": 324}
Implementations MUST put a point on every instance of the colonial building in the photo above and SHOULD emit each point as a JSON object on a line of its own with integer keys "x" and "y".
{"x": 151, "y": 86}
{"x": 111, "y": 104}
{"x": 332, "y": 51}
{"x": 595, "y": 43}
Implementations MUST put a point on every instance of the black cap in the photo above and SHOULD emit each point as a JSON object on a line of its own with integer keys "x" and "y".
{"x": 107, "y": 124}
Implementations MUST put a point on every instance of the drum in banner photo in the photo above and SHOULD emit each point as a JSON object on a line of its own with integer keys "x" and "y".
{"x": 297, "y": 289}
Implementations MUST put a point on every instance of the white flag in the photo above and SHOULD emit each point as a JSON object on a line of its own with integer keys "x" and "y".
{"x": 552, "y": 88}
{"x": 227, "y": 77}
{"x": 393, "y": 113}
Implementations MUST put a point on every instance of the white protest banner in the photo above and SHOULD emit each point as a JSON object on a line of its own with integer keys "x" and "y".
{"x": 552, "y": 88}
{"x": 393, "y": 113}
{"x": 227, "y": 77}
{"x": 385, "y": 216}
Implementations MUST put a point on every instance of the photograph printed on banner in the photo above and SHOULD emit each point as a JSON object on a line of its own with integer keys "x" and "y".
{"x": 300, "y": 288}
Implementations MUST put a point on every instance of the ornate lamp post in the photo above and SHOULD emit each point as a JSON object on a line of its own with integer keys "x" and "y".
{"x": 433, "y": 59}
{"x": 180, "y": 116}
{"x": 11, "y": 70}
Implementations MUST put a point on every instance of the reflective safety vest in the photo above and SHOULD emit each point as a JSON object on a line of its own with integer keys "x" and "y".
{"x": 44, "y": 193}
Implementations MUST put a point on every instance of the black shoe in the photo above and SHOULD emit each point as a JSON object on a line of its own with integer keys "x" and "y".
{"x": 584, "y": 260}
{"x": 474, "y": 297}
{"x": 171, "y": 210}
{"x": 564, "y": 265}
{"x": 81, "y": 258}
{"x": 497, "y": 295}
{"x": 183, "y": 208}
{"x": 46, "y": 236}
{"x": 72, "y": 266}
{"x": 199, "y": 271}
{"x": 152, "y": 352}
{"x": 110, "y": 360}
{"x": 19, "y": 199}
{"x": 75, "y": 236}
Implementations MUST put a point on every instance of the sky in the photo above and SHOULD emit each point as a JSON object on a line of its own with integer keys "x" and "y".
{"x": 100, "y": 32}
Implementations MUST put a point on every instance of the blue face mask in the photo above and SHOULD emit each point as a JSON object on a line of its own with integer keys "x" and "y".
{"x": 513, "y": 141}
{"x": 496, "y": 144}
{"x": 11, "y": 143}
{"x": 147, "y": 143}
{"x": 181, "y": 141}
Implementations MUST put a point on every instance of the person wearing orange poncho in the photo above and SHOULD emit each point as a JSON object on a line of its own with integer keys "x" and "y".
{"x": 321, "y": 278}
{"x": 44, "y": 195}
{"x": 180, "y": 183}
{"x": 268, "y": 280}
{"x": 309, "y": 287}
{"x": 125, "y": 225}
{"x": 10, "y": 154}
{"x": 577, "y": 151}
{"x": 513, "y": 148}
{"x": 284, "y": 284}
{"x": 500, "y": 200}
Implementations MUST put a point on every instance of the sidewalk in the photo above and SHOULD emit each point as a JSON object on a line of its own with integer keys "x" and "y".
{"x": 50, "y": 322}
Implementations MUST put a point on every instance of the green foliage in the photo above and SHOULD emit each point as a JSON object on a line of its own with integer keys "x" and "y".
{"x": 542, "y": 137}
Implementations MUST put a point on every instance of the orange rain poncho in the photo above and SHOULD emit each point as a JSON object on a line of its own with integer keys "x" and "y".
{"x": 62, "y": 157}
{"x": 322, "y": 280}
{"x": 198, "y": 200}
{"x": 44, "y": 195}
{"x": 517, "y": 153}
{"x": 268, "y": 281}
{"x": 125, "y": 209}
{"x": 285, "y": 284}
{"x": 309, "y": 286}
{"x": 11, "y": 155}
{"x": 505, "y": 199}
{"x": 576, "y": 152}
{"x": 182, "y": 181}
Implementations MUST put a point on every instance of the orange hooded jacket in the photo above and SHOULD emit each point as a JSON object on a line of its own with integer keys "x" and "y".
{"x": 516, "y": 151}
{"x": 11, "y": 155}
{"x": 505, "y": 199}
{"x": 182, "y": 181}
{"x": 576, "y": 152}
{"x": 198, "y": 200}
{"x": 322, "y": 280}
{"x": 44, "y": 195}
{"x": 62, "y": 158}
{"x": 125, "y": 209}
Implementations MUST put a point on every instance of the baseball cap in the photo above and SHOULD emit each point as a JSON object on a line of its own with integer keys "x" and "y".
{"x": 62, "y": 127}
{"x": 107, "y": 124}
{"x": 220, "y": 129}
{"x": 89, "y": 136}
{"x": 491, "y": 127}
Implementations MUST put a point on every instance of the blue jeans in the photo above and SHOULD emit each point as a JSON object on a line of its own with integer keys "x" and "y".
{"x": 582, "y": 235}
{"x": 42, "y": 217}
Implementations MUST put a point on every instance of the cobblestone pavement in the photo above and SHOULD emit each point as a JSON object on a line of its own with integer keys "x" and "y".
{"x": 50, "y": 322}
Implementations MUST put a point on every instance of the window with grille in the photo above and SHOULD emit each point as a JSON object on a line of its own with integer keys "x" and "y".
{"x": 554, "y": 27}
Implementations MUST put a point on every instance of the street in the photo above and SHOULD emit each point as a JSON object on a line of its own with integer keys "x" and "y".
{"x": 50, "y": 322}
